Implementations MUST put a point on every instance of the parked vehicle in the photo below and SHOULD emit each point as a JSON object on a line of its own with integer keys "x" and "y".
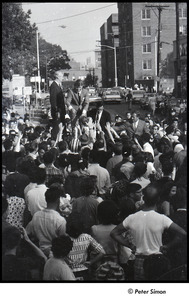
{"x": 112, "y": 96}
{"x": 94, "y": 98}
{"x": 137, "y": 95}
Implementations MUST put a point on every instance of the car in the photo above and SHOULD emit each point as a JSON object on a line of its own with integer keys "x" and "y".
{"x": 94, "y": 98}
{"x": 137, "y": 95}
{"x": 112, "y": 96}
{"x": 92, "y": 91}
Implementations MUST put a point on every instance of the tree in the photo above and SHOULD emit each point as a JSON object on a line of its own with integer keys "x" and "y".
{"x": 17, "y": 37}
{"x": 90, "y": 80}
{"x": 19, "y": 54}
{"x": 167, "y": 66}
{"x": 58, "y": 62}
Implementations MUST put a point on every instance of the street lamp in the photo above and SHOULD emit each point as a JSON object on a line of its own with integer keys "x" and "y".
{"x": 115, "y": 60}
{"x": 38, "y": 66}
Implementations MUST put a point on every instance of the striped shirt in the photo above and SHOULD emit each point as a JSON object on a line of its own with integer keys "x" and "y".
{"x": 79, "y": 253}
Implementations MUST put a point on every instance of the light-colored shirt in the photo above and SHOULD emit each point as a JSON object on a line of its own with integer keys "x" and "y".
{"x": 142, "y": 181}
{"x": 45, "y": 225}
{"x": 29, "y": 187}
{"x": 56, "y": 269}
{"x": 103, "y": 177}
{"x": 36, "y": 198}
{"x": 148, "y": 148}
{"x": 147, "y": 228}
{"x": 112, "y": 162}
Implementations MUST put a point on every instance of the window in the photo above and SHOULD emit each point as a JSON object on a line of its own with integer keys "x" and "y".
{"x": 147, "y": 77}
{"x": 146, "y": 48}
{"x": 183, "y": 29}
{"x": 146, "y": 31}
{"x": 147, "y": 64}
{"x": 182, "y": 13}
{"x": 146, "y": 14}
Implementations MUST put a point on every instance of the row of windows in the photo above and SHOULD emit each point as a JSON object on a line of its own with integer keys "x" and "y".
{"x": 145, "y": 13}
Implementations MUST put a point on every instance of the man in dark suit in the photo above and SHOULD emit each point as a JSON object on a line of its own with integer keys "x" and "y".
{"x": 77, "y": 102}
{"x": 100, "y": 116}
{"x": 58, "y": 109}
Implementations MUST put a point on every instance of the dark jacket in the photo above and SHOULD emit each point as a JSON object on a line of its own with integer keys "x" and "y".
{"x": 57, "y": 102}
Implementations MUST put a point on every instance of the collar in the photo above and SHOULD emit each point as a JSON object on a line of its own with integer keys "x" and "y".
{"x": 181, "y": 209}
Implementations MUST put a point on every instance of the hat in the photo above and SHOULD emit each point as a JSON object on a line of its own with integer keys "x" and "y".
{"x": 84, "y": 139}
{"x": 178, "y": 148}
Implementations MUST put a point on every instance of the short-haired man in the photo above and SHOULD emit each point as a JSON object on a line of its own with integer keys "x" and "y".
{"x": 58, "y": 109}
{"x": 138, "y": 126}
{"x": 47, "y": 224}
{"x": 146, "y": 227}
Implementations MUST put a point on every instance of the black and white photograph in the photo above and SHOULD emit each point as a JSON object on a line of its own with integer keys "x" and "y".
{"x": 94, "y": 146}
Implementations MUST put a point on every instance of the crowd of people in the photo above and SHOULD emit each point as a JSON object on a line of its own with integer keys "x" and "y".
{"x": 87, "y": 198}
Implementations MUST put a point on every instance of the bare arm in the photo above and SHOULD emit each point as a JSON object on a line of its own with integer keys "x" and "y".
{"x": 116, "y": 234}
{"x": 38, "y": 252}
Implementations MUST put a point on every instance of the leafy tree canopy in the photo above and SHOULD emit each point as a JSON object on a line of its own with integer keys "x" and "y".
{"x": 19, "y": 49}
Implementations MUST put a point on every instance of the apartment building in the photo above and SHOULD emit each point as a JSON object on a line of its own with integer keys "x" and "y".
{"x": 109, "y": 33}
{"x": 138, "y": 36}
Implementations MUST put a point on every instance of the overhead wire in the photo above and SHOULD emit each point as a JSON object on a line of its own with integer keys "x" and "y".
{"x": 72, "y": 16}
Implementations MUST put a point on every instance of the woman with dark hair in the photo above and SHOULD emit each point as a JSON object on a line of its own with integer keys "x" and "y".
{"x": 85, "y": 207}
{"x": 107, "y": 213}
{"x": 167, "y": 192}
{"x": 56, "y": 268}
{"x": 139, "y": 171}
{"x": 83, "y": 245}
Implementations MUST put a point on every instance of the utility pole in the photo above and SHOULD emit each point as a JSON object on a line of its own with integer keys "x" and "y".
{"x": 178, "y": 71}
{"x": 160, "y": 8}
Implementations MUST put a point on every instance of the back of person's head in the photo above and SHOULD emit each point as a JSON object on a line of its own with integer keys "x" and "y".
{"x": 151, "y": 194}
{"x": 99, "y": 144}
{"x": 140, "y": 157}
{"x": 48, "y": 158}
{"x": 87, "y": 186}
{"x": 85, "y": 153}
{"x": 32, "y": 138}
{"x": 127, "y": 207}
{"x": 8, "y": 144}
{"x": 126, "y": 151}
{"x": 24, "y": 164}
{"x": 140, "y": 169}
{"x": 74, "y": 226}
{"x": 63, "y": 160}
{"x": 167, "y": 167}
{"x": 94, "y": 156}
{"x": 33, "y": 146}
{"x": 82, "y": 164}
{"x": 32, "y": 173}
{"x": 52, "y": 195}
{"x": 11, "y": 237}
{"x": 62, "y": 145}
{"x": 117, "y": 148}
{"x": 41, "y": 176}
{"x": 119, "y": 190}
{"x": 133, "y": 188}
{"x": 146, "y": 137}
{"x": 107, "y": 212}
{"x": 155, "y": 265}
{"x": 148, "y": 157}
{"x": 61, "y": 246}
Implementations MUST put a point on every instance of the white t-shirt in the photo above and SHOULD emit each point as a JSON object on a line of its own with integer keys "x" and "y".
{"x": 147, "y": 228}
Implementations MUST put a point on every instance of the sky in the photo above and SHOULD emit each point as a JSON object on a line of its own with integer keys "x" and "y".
{"x": 80, "y": 32}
